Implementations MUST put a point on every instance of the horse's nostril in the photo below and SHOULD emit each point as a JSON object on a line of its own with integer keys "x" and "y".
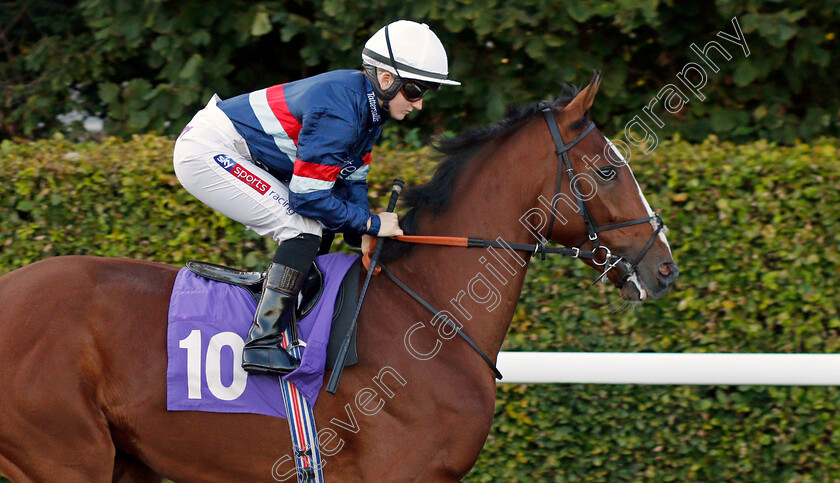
{"x": 668, "y": 272}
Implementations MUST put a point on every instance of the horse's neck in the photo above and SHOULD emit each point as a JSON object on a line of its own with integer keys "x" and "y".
{"x": 481, "y": 286}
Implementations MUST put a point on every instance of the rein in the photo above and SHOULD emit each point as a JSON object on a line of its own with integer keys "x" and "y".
{"x": 534, "y": 248}
{"x": 445, "y": 320}
{"x": 609, "y": 262}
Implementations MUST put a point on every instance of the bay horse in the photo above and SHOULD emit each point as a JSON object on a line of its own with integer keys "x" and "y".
{"x": 83, "y": 339}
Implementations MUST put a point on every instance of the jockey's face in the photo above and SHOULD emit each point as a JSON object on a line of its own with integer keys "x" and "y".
{"x": 399, "y": 106}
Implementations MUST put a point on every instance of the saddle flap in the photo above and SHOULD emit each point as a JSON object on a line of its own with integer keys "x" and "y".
{"x": 345, "y": 306}
{"x": 308, "y": 298}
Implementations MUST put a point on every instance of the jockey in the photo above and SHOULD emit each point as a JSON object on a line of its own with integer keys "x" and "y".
{"x": 291, "y": 162}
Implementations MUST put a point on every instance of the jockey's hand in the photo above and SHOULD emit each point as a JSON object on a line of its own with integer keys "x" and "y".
{"x": 389, "y": 224}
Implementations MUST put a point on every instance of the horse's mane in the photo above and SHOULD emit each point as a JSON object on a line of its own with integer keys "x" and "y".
{"x": 455, "y": 154}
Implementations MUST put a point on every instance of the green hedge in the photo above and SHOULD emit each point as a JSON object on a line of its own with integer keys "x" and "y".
{"x": 148, "y": 66}
{"x": 754, "y": 229}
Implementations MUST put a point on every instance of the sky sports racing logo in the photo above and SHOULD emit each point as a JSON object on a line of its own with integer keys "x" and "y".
{"x": 241, "y": 173}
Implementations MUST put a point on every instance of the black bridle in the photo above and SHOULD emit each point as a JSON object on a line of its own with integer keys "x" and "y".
{"x": 563, "y": 163}
{"x": 610, "y": 261}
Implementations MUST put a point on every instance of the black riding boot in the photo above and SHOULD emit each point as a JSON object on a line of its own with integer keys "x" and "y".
{"x": 283, "y": 281}
{"x": 263, "y": 352}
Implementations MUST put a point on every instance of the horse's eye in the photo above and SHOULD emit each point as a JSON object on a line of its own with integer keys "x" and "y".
{"x": 607, "y": 173}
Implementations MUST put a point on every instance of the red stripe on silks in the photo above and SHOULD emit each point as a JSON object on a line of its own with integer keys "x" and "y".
{"x": 316, "y": 171}
{"x": 366, "y": 159}
{"x": 277, "y": 102}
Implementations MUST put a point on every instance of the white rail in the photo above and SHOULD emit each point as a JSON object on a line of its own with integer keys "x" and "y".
{"x": 670, "y": 368}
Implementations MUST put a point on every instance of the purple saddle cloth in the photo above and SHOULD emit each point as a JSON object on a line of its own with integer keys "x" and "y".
{"x": 208, "y": 325}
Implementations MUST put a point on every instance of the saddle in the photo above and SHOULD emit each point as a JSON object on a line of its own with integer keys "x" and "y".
{"x": 308, "y": 298}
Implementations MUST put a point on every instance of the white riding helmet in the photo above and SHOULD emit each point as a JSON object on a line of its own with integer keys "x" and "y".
{"x": 409, "y": 50}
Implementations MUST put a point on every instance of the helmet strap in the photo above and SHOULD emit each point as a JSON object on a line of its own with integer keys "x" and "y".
{"x": 385, "y": 94}
{"x": 391, "y": 53}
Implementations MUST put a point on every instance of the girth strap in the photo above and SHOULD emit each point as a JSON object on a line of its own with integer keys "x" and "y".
{"x": 445, "y": 319}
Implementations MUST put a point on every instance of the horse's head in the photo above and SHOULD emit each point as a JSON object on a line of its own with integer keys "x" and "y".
{"x": 600, "y": 204}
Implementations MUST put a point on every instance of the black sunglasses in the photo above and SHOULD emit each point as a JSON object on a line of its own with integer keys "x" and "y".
{"x": 415, "y": 90}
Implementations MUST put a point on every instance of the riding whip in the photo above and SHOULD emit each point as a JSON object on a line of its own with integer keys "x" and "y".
{"x": 338, "y": 367}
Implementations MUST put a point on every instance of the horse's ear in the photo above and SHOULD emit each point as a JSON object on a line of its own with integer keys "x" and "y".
{"x": 583, "y": 100}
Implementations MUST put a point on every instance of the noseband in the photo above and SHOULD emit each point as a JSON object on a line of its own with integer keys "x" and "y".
{"x": 563, "y": 163}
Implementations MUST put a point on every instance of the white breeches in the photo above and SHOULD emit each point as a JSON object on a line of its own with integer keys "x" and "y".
{"x": 212, "y": 162}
